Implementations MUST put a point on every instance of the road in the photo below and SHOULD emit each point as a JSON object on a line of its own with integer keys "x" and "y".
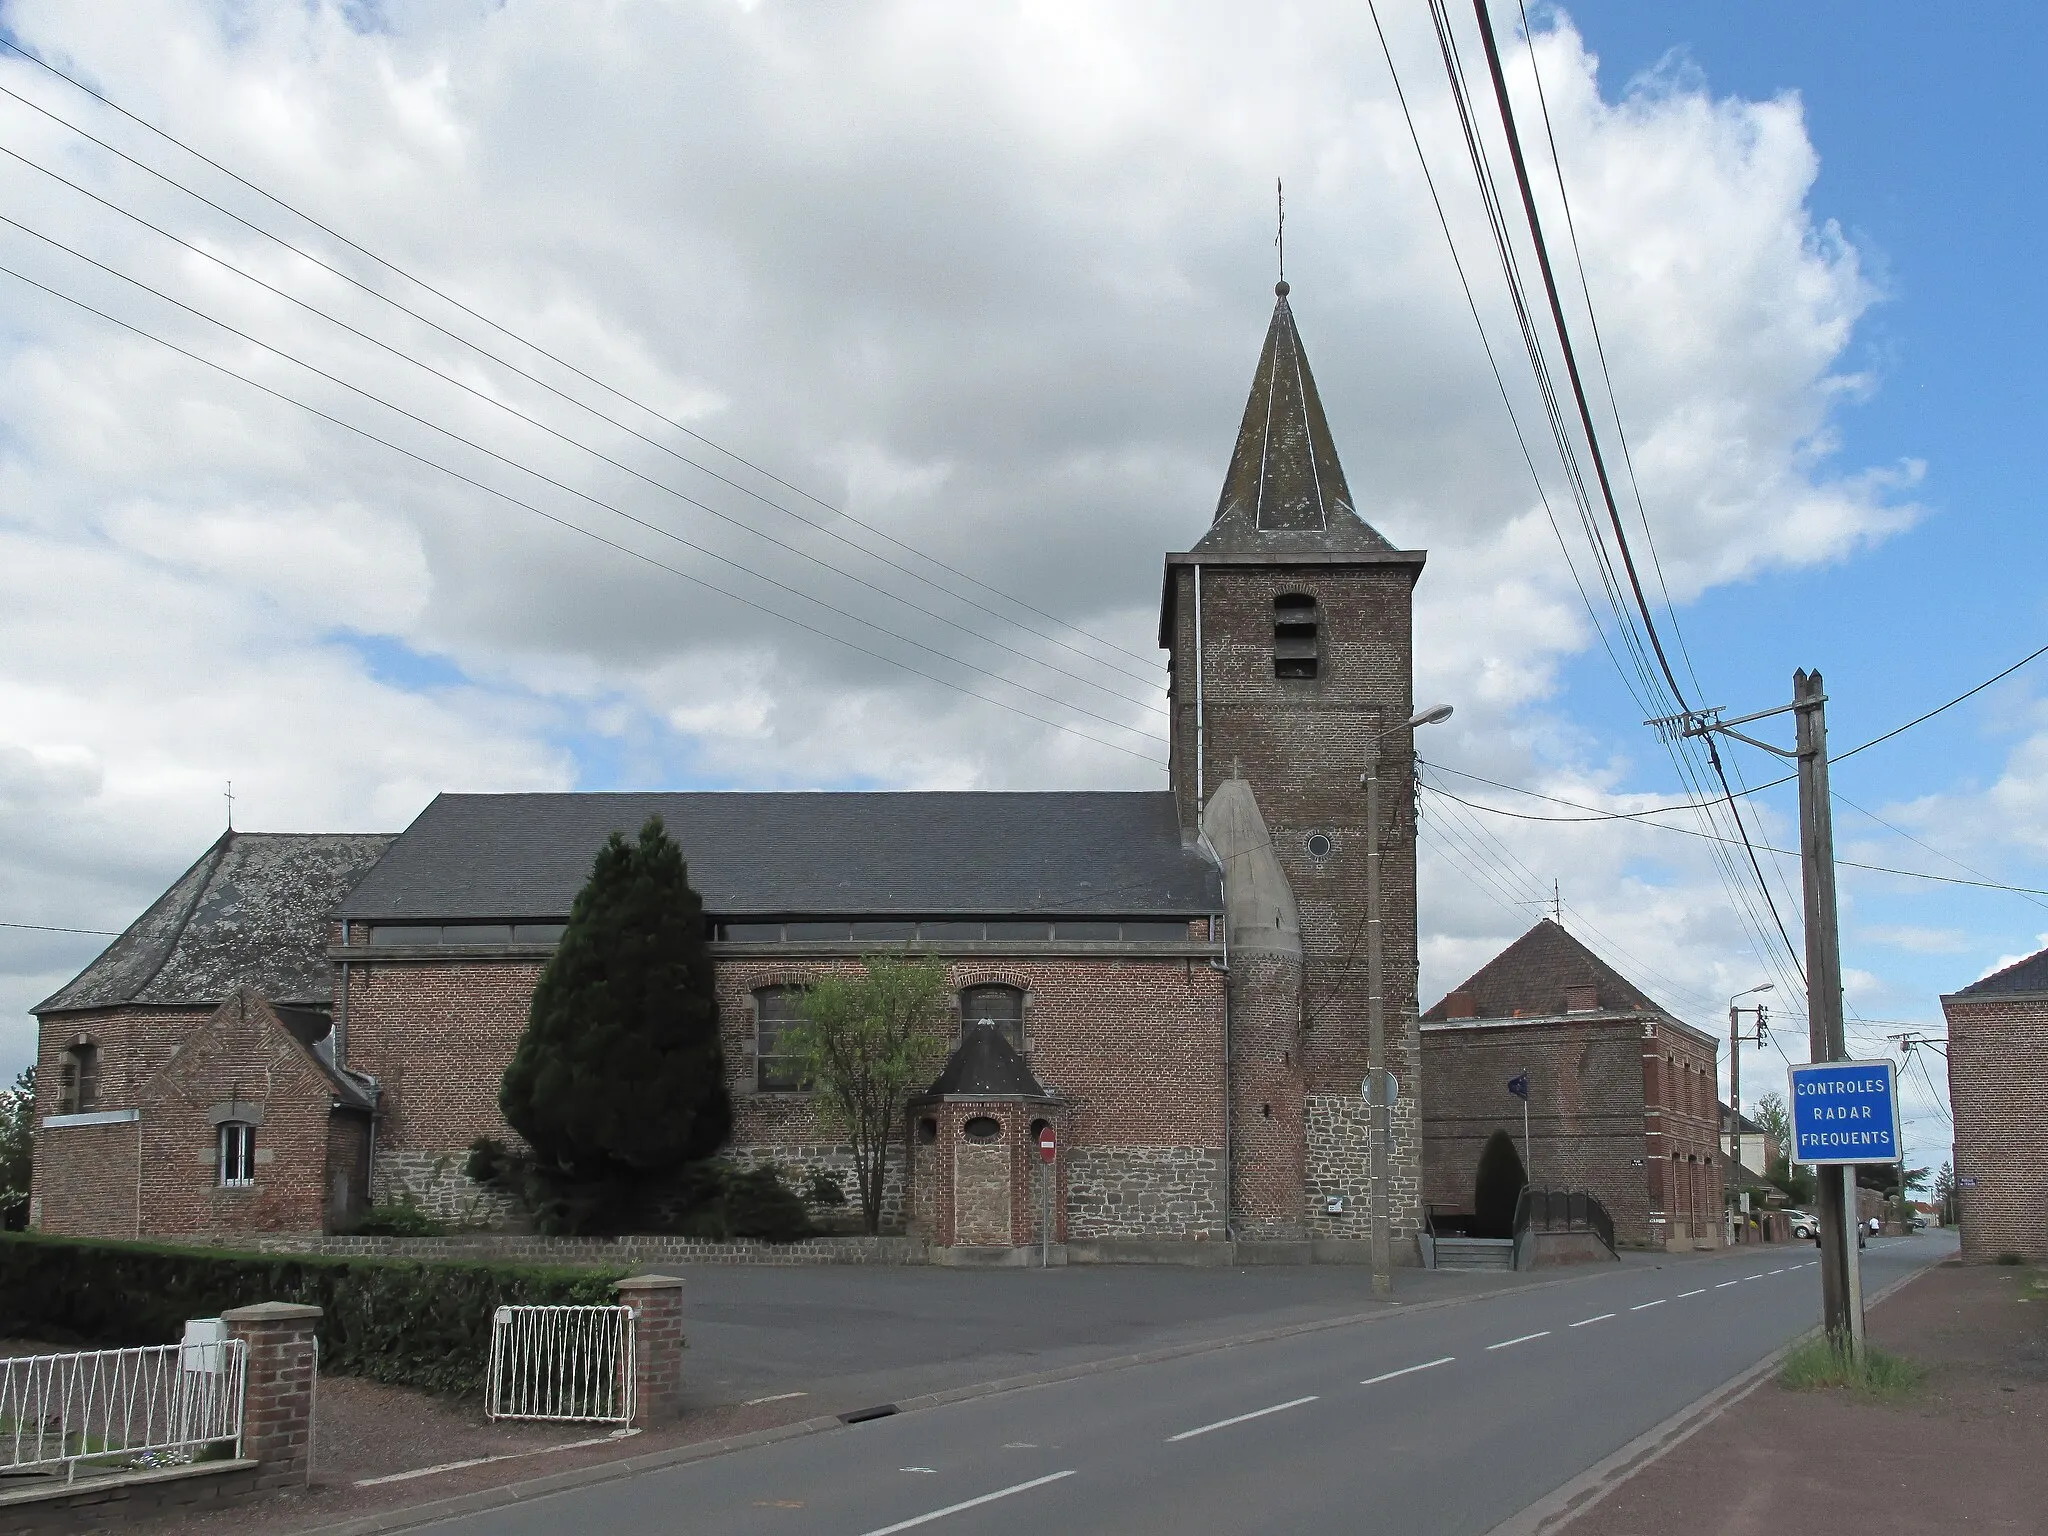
{"x": 1433, "y": 1423}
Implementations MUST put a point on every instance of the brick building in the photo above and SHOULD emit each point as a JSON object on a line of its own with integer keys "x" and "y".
{"x": 1173, "y": 970}
{"x": 1622, "y": 1094}
{"x": 1998, "y": 1092}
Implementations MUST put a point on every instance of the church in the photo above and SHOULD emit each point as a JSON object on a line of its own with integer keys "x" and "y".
{"x": 1173, "y": 979}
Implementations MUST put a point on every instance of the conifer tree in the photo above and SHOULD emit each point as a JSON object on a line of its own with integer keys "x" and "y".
{"x": 619, "y": 1075}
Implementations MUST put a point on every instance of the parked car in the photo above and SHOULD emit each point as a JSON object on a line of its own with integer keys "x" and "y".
{"x": 1804, "y": 1224}
{"x": 1919, "y": 1223}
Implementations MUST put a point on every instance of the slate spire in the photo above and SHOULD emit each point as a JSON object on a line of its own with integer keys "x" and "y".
{"x": 1285, "y": 489}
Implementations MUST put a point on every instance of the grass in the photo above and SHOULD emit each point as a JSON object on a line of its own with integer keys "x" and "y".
{"x": 1816, "y": 1365}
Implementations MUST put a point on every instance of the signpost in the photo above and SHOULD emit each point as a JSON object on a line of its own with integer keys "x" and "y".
{"x": 1519, "y": 1087}
{"x": 1048, "y": 1149}
{"x": 1845, "y": 1113}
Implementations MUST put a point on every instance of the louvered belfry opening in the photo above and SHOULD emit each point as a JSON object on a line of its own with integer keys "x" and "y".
{"x": 1297, "y": 641}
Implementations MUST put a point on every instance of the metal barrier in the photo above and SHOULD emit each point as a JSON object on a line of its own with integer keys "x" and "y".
{"x": 561, "y": 1363}
{"x": 117, "y": 1410}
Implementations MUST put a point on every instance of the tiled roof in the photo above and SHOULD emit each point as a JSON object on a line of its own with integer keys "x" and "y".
{"x": 1285, "y": 491}
{"x": 1077, "y": 854}
{"x": 2028, "y": 975}
{"x": 1530, "y": 975}
{"x": 985, "y": 1066}
{"x": 252, "y": 912}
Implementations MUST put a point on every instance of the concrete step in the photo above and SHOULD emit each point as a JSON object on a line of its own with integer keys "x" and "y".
{"x": 1475, "y": 1253}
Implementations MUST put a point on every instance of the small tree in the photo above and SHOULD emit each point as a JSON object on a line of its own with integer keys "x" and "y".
{"x": 1945, "y": 1193}
{"x": 1498, "y": 1187}
{"x": 867, "y": 1042}
{"x": 17, "y": 1148}
{"x": 620, "y": 1074}
{"x": 1775, "y": 1119}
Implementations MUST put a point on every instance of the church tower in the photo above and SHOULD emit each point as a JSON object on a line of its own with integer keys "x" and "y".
{"x": 1288, "y": 627}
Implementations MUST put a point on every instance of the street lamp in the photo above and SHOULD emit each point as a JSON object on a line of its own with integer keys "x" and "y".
{"x": 1735, "y": 1053}
{"x": 1375, "y": 1012}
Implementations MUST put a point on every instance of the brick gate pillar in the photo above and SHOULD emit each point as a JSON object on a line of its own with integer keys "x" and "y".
{"x": 657, "y": 1303}
{"x": 277, "y": 1404}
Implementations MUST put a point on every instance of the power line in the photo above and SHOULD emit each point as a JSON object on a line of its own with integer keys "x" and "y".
{"x": 571, "y": 490}
{"x": 488, "y": 399}
{"x": 538, "y": 349}
{"x": 577, "y": 528}
{"x": 98, "y": 933}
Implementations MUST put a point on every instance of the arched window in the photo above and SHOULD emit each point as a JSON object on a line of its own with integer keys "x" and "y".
{"x": 997, "y": 1005}
{"x": 236, "y": 1155}
{"x": 78, "y": 1078}
{"x": 1297, "y": 647}
{"x": 776, "y": 1067}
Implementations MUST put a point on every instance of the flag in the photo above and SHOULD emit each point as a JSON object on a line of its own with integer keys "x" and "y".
{"x": 1518, "y": 1085}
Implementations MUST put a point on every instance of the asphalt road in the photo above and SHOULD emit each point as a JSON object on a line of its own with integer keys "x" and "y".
{"x": 1434, "y": 1423}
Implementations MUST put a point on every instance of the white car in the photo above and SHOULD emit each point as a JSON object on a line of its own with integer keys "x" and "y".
{"x": 1803, "y": 1224}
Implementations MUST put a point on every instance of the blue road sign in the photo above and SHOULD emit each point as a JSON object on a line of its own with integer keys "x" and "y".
{"x": 1845, "y": 1112}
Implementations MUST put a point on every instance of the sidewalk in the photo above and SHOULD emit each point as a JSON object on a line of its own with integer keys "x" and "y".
{"x": 1967, "y": 1451}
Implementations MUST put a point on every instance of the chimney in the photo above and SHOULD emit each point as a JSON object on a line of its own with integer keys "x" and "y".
{"x": 1460, "y": 1005}
{"x": 1583, "y": 998}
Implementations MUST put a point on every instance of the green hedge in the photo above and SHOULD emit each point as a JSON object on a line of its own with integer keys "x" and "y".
{"x": 412, "y": 1322}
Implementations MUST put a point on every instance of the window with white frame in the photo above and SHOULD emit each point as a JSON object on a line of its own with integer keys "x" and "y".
{"x": 236, "y": 1156}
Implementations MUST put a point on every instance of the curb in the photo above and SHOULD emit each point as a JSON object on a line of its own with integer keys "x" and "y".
{"x": 1565, "y": 1503}
{"x": 411, "y": 1517}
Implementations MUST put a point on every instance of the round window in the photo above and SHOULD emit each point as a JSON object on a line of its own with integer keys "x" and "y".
{"x": 1320, "y": 845}
{"x": 982, "y": 1128}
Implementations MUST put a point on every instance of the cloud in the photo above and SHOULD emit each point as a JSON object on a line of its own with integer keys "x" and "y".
{"x": 992, "y": 281}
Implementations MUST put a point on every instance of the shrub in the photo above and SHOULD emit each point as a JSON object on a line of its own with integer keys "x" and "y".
{"x": 1817, "y": 1363}
{"x": 409, "y": 1322}
{"x": 823, "y": 1188}
{"x": 404, "y": 1219}
{"x": 716, "y": 1200}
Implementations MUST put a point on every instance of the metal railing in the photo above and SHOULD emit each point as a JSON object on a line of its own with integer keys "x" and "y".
{"x": 119, "y": 1410}
{"x": 1563, "y": 1210}
{"x": 561, "y": 1363}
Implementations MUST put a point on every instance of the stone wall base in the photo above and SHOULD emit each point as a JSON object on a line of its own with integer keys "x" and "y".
{"x": 100, "y": 1502}
{"x": 594, "y": 1252}
{"x": 1158, "y": 1250}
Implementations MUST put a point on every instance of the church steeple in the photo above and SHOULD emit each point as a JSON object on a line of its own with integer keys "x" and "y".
{"x": 1285, "y": 490}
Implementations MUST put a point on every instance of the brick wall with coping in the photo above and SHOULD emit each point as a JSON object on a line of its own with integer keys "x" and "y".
{"x": 1998, "y": 1093}
{"x": 657, "y": 1306}
{"x": 282, "y": 1376}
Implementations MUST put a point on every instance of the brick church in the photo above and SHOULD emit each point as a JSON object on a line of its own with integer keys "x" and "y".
{"x": 302, "y": 1023}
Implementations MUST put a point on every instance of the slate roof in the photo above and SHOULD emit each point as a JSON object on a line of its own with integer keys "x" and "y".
{"x": 1285, "y": 491}
{"x": 2028, "y": 975}
{"x": 1530, "y": 976}
{"x": 984, "y": 1065}
{"x": 252, "y": 912}
{"x": 525, "y": 856}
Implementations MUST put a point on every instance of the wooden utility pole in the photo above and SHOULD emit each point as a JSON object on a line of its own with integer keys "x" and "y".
{"x": 1376, "y": 1031}
{"x": 1841, "y": 1280}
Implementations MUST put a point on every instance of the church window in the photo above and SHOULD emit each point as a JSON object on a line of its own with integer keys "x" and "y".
{"x": 776, "y": 1011}
{"x": 1297, "y": 646}
{"x": 237, "y": 1154}
{"x": 982, "y": 1128}
{"x": 1000, "y": 1006}
{"x": 78, "y": 1079}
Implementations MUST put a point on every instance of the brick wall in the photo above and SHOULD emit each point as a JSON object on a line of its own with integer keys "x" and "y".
{"x": 1301, "y": 744}
{"x": 242, "y": 1055}
{"x": 1998, "y": 1091}
{"x": 1587, "y": 1124}
{"x": 1136, "y": 1042}
{"x": 86, "y": 1180}
{"x": 1682, "y": 1121}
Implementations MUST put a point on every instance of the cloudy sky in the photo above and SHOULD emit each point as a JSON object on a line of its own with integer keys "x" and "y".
{"x": 915, "y": 333}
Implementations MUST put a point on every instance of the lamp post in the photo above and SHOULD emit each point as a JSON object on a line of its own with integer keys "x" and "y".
{"x": 1735, "y": 1054}
{"x": 1375, "y": 1009}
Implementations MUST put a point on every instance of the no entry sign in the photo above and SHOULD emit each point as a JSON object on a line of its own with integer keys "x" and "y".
{"x": 1845, "y": 1112}
{"x": 1047, "y": 1145}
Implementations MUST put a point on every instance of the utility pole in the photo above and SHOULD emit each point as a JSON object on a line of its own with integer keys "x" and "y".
{"x": 1376, "y": 1095}
{"x": 1841, "y": 1280}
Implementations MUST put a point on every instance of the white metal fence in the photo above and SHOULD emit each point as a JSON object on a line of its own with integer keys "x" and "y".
{"x": 112, "y": 1410}
{"x": 561, "y": 1363}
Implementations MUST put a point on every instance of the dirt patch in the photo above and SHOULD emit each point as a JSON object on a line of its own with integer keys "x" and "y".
{"x": 1963, "y": 1452}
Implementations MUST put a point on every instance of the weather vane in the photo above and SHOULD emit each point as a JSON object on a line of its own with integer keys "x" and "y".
{"x": 1280, "y": 234}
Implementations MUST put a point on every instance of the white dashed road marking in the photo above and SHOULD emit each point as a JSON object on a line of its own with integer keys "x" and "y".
{"x": 1645, "y": 1306}
{"x": 1700, "y": 1292}
{"x": 1406, "y": 1370}
{"x": 1525, "y": 1338}
{"x": 954, "y": 1509}
{"x": 1726, "y": 1283}
{"x": 1582, "y": 1322}
{"x": 1256, "y": 1413}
